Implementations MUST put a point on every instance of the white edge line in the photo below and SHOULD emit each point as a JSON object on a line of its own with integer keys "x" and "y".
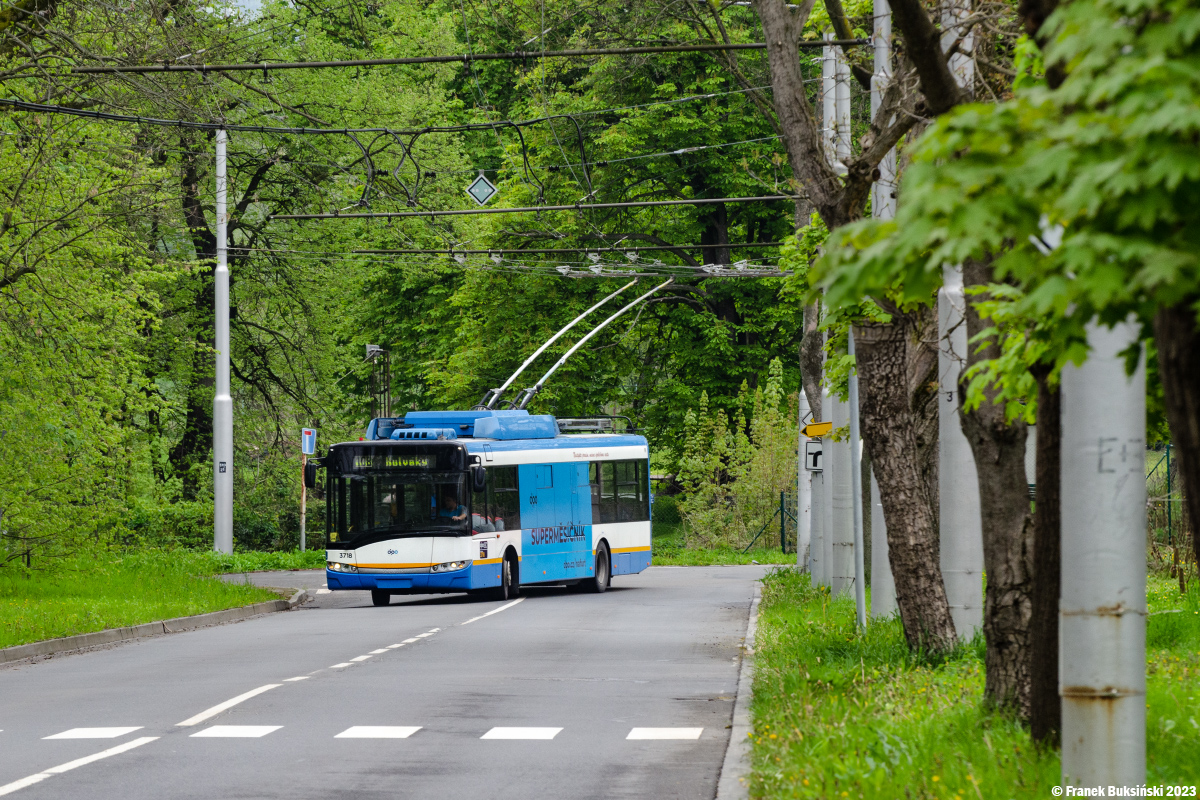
{"x": 70, "y": 765}
{"x": 217, "y": 709}
{"x": 493, "y": 611}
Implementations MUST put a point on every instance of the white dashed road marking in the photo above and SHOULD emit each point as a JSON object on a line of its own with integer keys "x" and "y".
{"x": 665, "y": 733}
{"x": 339, "y": 666}
{"x": 70, "y": 765}
{"x": 380, "y": 650}
{"x": 217, "y": 709}
{"x": 521, "y": 733}
{"x": 394, "y": 646}
{"x": 235, "y": 731}
{"x": 93, "y": 733}
{"x": 360, "y": 658}
{"x": 298, "y": 678}
{"x": 378, "y": 732}
{"x": 494, "y": 611}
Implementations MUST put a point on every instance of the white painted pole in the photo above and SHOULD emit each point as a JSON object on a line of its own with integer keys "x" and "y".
{"x": 842, "y": 106}
{"x": 222, "y": 399}
{"x": 883, "y": 206}
{"x": 840, "y": 468}
{"x": 958, "y": 487}
{"x": 816, "y": 546}
{"x": 883, "y": 586}
{"x": 1102, "y": 617}
{"x": 860, "y": 573}
{"x": 829, "y": 103}
{"x": 883, "y": 191}
{"x": 803, "y": 492}
{"x": 827, "y": 492}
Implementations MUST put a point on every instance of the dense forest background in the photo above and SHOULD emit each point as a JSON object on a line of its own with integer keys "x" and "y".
{"x": 107, "y": 239}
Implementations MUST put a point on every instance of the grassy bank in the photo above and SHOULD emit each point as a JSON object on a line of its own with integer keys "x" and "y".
{"x": 92, "y": 593}
{"x": 669, "y": 550}
{"x": 838, "y": 714}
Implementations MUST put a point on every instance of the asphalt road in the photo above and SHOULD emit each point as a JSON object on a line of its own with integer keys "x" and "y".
{"x": 561, "y": 695}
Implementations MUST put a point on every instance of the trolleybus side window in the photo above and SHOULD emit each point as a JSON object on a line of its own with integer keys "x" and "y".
{"x": 504, "y": 497}
{"x": 619, "y": 491}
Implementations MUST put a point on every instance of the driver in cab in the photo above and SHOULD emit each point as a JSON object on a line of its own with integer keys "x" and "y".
{"x": 451, "y": 508}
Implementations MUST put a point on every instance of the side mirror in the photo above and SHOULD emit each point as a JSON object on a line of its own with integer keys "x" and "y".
{"x": 478, "y": 479}
{"x": 310, "y": 475}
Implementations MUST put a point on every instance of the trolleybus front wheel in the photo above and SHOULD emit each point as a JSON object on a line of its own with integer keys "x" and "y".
{"x": 510, "y": 578}
{"x": 603, "y": 573}
{"x": 380, "y": 597}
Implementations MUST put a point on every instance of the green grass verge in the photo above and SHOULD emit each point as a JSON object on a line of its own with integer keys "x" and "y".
{"x": 669, "y": 550}
{"x": 92, "y": 593}
{"x": 256, "y": 561}
{"x": 838, "y": 714}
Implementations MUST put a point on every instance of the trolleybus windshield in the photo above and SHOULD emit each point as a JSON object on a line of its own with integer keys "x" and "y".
{"x": 382, "y": 505}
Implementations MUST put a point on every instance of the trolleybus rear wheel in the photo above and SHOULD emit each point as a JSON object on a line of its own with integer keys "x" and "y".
{"x": 379, "y": 597}
{"x": 600, "y": 582}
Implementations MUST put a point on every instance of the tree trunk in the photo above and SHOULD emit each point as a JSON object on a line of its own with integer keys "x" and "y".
{"x": 1045, "y": 706}
{"x": 1177, "y": 337}
{"x": 810, "y": 359}
{"x": 897, "y": 368}
{"x": 999, "y": 450}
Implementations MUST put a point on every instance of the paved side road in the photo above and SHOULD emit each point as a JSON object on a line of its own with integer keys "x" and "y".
{"x": 559, "y": 695}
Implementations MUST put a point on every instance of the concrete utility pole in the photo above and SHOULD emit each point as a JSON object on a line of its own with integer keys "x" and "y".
{"x": 222, "y": 400}
{"x": 842, "y": 104}
{"x": 840, "y": 468}
{"x": 883, "y": 206}
{"x": 1102, "y": 617}
{"x": 803, "y": 491}
{"x": 860, "y": 574}
{"x": 958, "y": 486}
{"x": 829, "y": 102}
{"x": 883, "y": 585}
{"x": 827, "y": 491}
{"x": 816, "y": 542}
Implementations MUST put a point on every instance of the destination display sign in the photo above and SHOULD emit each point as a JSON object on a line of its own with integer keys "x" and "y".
{"x": 392, "y": 461}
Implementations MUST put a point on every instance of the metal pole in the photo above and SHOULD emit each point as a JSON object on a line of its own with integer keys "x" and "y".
{"x": 1102, "y": 617}
{"x": 803, "y": 494}
{"x": 222, "y": 400}
{"x": 958, "y": 486}
{"x": 303, "y": 498}
{"x": 1168, "y": 497}
{"x": 860, "y": 575}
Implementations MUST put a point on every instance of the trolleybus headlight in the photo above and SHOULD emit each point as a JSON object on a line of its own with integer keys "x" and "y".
{"x": 336, "y": 567}
{"x": 449, "y": 566}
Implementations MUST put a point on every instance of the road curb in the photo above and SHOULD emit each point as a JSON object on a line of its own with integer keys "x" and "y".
{"x": 731, "y": 784}
{"x": 52, "y": 647}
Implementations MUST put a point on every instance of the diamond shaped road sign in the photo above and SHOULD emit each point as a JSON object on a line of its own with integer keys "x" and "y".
{"x": 481, "y": 190}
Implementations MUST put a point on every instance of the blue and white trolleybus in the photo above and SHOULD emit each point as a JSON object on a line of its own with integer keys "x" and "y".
{"x": 485, "y": 500}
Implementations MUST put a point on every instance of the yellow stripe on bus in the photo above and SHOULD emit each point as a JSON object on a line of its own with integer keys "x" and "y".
{"x": 631, "y": 549}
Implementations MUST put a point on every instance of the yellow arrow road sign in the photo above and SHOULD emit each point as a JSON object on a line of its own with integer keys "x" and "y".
{"x": 817, "y": 428}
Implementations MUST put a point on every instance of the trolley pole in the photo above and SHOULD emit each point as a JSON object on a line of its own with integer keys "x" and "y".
{"x": 1102, "y": 606}
{"x": 222, "y": 400}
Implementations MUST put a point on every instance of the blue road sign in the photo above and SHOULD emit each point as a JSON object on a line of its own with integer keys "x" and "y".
{"x": 308, "y": 441}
